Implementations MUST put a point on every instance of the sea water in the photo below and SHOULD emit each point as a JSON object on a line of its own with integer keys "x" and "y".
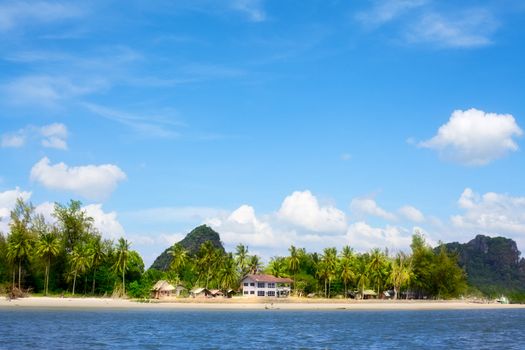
{"x": 263, "y": 329}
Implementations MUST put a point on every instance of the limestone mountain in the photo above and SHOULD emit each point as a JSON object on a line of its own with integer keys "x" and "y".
{"x": 191, "y": 243}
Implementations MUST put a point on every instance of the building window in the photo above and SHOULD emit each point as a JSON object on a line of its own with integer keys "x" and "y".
{"x": 271, "y": 285}
{"x": 245, "y": 292}
{"x": 260, "y": 293}
{"x": 252, "y": 284}
{"x": 246, "y": 284}
{"x": 252, "y": 292}
{"x": 271, "y": 293}
{"x": 260, "y": 285}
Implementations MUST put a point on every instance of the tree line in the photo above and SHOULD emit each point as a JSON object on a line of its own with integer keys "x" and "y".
{"x": 423, "y": 273}
{"x": 68, "y": 256}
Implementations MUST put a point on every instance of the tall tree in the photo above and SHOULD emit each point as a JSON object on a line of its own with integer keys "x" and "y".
{"x": 79, "y": 262}
{"x": 401, "y": 272}
{"x": 180, "y": 257}
{"x": 47, "y": 247}
{"x": 294, "y": 262}
{"x": 97, "y": 254}
{"x": 20, "y": 241}
{"x": 377, "y": 267}
{"x": 254, "y": 264}
{"x": 121, "y": 262}
{"x": 228, "y": 274}
{"x": 241, "y": 257}
{"x": 329, "y": 260}
{"x": 74, "y": 223}
{"x": 346, "y": 266}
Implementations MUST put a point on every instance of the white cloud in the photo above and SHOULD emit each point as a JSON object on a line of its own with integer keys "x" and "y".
{"x": 303, "y": 209}
{"x": 89, "y": 181}
{"x": 15, "y": 140}
{"x": 368, "y": 206}
{"x": 106, "y": 223}
{"x": 55, "y": 136}
{"x": 251, "y": 8}
{"x": 473, "y": 137}
{"x": 47, "y": 90}
{"x": 472, "y": 28}
{"x": 13, "y": 14}
{"x": 174, "y": 214}
{"x": 387, "y": 10}
{"x": 412, "y": 213}
{"x": 52, "y": 136}
{"x": 364, "y": 237}
{"x": 491, "y": 213}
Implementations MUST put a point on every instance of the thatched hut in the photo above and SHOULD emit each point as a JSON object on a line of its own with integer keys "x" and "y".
{"x": 200, "y": 292}
{"x": 162, "y": 289}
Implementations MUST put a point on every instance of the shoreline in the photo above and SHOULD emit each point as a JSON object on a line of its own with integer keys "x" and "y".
{"x": 93, "y": 303}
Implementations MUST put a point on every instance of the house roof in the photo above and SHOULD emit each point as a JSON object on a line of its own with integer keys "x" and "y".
{"x": 162, "y": 286}
{"x": 199, "y": 290}
{"x": 268, "y": 278}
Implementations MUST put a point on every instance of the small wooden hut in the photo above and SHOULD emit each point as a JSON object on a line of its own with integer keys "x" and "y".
{"x": 162, "y": 289}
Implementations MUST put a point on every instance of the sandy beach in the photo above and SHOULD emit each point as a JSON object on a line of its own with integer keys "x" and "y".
{"x": 246, "y": 304}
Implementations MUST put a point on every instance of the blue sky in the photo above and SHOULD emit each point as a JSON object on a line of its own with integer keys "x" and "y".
{"x": 314, "y": 123}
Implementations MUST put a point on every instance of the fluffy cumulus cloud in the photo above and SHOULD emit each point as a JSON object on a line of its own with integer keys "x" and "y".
{"x": 411, "y": 213}
{"x": 364, "y": 237}
{"x": 303, "y": 209}
{"x": 473, "y": 137}
{"x": 106, "y": 223}
{"x": 242, "y": 225}
{"x": 491, "y": 213}
{"x": 367, "y": 206}
{"x": 50, "y": 136}
{"x": 89, "y": 181}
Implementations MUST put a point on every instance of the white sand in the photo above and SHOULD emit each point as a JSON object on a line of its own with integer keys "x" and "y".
{"x": 247, "y": 304}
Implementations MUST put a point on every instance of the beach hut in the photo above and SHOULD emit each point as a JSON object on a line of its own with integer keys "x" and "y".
{"x": 216, "y": 293}
{"x": 200, "y": 293}
{"x": 162, "y": 289}
{"x": 369, "y": 294}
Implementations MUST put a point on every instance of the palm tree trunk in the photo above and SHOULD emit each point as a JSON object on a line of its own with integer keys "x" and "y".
{"x": 74, "y": 282}
{"x": 123, "y": 283}
{"x": 14, "y": 274}
{"x": 19, "y": 273}
{"x": 47, "y": 275}
{"x": 346, "y": 291}
{"x": 93, "y": 286}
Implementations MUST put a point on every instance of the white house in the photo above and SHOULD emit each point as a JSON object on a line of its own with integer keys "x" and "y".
{"x": 265, "y": 286}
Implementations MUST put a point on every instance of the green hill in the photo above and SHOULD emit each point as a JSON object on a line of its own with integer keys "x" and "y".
{"x": 191, "y": 243}
{"x": 493, "y": 265}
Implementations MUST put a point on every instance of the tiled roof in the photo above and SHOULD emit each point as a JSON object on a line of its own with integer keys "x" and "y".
{"x": 268, "y": 279}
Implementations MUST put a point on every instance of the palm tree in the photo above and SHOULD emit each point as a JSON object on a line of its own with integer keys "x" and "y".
{"x": 228, "y": 275}
{"x": 377, "y": 267}
{"x": 47, "y": 247}
{"x": 79, "y": 261}
{"x": 294, "y": 262}
{"x": 362, "y": 275}
{"x": 254, "y": 264}
{"x": 401, "y": 272}
{"x": 19, "y": 246}
{"x": 330, "y": 264}
{"x": 206, "y": 260}
{"x": 346, "y": 265}
{"x": 241, "y": 257}
{"x": 179, "y": 257}
{"x": 121, "y": 262}
{"x": 277, "y": 266}
{"x": 97, "y": 254}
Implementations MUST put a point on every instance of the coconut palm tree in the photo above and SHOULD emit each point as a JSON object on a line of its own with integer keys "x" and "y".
{"x": 401, "y": 272}
{"x": 241, "y": 257}
{"x": 362, "y": 275}
{"x": 377, "y": 266}
{"x": 206, "y": 260}
{"x": 19, "y": 247}
{"x": 179, "y": 257}
{"x": 277, "y": 266}
{"x": 330, "y": 264}
{"x": 47, "y": 247}
{"x": 79, "y": 261}
{"x": 228, "y": 274}
{"x": 121, "y": 262}
{"x": 294, "y": 262}
{"x": 254, "y": 264}
{"x": 97, "y": 254}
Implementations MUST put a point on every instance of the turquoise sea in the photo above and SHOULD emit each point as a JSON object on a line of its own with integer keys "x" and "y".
{"x": 263, "y": 329}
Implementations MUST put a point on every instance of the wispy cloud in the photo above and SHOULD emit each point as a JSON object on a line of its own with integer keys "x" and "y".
{"x": 388, "y": 10}
{"x": 50, "y": 136}
{"x": 148, "y": 126}
{"x": 49, "y": 90}
{"x": 472, "y": 28}
{"x": 252, "y": 9}
{"x": 430, "y": 22}
{"x": 18, "y": 13}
